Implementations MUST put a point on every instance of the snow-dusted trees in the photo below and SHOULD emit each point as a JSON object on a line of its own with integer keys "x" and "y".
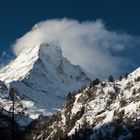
{"x": 110, "y": 78}
{"x": 94, "y": 82}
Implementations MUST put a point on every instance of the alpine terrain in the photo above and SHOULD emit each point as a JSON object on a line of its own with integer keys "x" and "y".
{"x": 40, "y": 78}
{"x": 102, "y": 111}
{"x": 45, "y": 97}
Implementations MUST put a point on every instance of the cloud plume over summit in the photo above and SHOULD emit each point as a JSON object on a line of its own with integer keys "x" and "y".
{"x": 88, "y": 44}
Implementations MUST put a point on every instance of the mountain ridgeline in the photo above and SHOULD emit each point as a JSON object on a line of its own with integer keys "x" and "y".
{"x": 41, "y": 99}
{"x": 42, "y": 78}
{"x": 102, "y": 111}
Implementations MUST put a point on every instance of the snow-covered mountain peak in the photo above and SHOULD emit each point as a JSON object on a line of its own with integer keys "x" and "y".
{"x": 43, "y": 76}
{"x": 50, "y": 52}
{"x": 20, "y": 67}
{"x": 26, "y": 60}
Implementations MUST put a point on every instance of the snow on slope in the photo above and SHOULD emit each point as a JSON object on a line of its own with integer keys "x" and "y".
{"x": 43, "y": 76}
{"x": 22, "y": 107}
{"x": 108, "y": 110}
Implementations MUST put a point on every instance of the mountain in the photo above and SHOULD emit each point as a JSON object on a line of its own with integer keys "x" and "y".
{"x": 102, "y": 111}
{"x": 42, "y": 78}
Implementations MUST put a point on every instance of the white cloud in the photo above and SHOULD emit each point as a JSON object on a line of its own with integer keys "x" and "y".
{"x": 88, "y": 44}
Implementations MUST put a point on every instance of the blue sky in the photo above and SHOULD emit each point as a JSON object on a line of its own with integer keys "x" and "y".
{"x": 121, "y": 16}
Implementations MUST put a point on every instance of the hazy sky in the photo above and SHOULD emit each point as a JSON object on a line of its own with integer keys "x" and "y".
{"x": 121, "y": 17}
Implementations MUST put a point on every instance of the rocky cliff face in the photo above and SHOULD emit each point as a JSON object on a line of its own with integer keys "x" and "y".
{"x": 103, "y": 110}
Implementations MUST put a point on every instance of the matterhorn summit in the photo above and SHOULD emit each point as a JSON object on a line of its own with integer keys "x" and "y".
{"x": 41, "y": 75}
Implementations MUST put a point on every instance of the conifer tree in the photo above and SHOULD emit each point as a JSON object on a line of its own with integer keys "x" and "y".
{"x": 110, "y": 78}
